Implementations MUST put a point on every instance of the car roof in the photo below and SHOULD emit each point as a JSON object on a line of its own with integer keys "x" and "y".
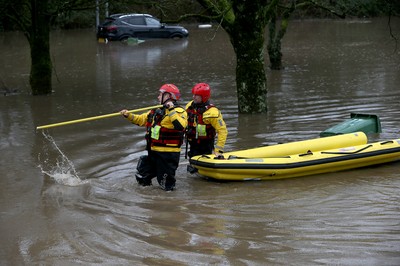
{"x": 121, "y": 15}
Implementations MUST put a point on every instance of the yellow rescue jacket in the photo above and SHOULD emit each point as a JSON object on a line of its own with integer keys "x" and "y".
{"x": 170, "y": 122}
{"x": 210, "y": 117}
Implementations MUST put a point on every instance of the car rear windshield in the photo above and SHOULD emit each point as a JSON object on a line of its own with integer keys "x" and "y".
{"x": 108, "y": 21}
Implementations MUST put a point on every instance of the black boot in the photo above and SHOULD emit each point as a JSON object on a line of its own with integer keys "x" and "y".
{"x": 143, "y": 180}
{"x": 191, "y": 169}
{"x": 167, "y": 182}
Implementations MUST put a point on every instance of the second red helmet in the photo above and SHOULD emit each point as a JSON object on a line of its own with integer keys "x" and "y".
{"x": 202, "y": 89}
{"x": 171, "y": 89}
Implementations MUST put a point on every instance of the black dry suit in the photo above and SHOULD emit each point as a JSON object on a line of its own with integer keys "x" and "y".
{"x": 164, "y": 137}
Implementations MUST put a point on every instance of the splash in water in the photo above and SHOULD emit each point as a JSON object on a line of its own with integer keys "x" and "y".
{"x": 63, "y": 172}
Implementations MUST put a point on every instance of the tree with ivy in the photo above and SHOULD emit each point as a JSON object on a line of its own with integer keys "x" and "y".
{"x": 246, "y": 23}
{"x": 35, "y": 18}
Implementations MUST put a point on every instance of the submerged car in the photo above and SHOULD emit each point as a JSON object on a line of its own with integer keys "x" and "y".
{"x": 121, "y": 27}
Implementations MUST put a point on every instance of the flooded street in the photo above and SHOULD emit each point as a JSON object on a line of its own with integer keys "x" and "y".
{"x": 69, "y": 197}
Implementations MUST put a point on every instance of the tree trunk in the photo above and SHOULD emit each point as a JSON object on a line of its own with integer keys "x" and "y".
{"x": 274, "y": 46}
{"x": 275, "y": 38}
{"x": 247, "y": 38}
{"x": 39, "y": 40}
{"x": 251, "y": 80}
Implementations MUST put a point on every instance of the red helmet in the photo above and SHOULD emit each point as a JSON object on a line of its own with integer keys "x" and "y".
{"x": 171, "y": 89}
{"x": 202, "y": 89}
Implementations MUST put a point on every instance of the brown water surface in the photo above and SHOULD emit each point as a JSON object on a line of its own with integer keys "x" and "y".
{"x": 68, "y": 197}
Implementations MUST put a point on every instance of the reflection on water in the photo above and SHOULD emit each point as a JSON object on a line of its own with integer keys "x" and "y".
{"x": 332, "y": 68}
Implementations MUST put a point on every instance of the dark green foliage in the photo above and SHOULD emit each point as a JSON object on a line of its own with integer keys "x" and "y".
{"x": 166, "y": 10}
{"x": 75, "y": 20}
{"x": 373, "y": 8}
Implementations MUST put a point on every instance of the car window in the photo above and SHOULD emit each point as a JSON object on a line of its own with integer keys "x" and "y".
{"x": 152, "y": 22}
{"x": 135, "y": 20}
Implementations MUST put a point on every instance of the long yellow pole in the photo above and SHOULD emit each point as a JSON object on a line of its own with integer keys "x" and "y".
{"x": 95, "y": 117}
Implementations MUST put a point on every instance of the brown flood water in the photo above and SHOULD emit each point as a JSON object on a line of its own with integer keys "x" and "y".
{"x": 68, "y": 197}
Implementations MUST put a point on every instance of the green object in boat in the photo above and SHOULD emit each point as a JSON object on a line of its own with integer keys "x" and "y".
{"x": 358, "y": 122}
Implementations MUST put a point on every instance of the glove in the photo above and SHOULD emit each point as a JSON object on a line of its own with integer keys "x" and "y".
{"x": 125, "y": 113}
{"x": 218, "y": 154}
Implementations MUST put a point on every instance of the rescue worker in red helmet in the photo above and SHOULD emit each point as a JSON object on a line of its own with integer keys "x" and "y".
{"x": 205, "y": 123}
{"x": 164, "y": 136}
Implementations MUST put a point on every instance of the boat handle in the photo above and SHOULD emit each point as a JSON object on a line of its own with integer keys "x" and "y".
{"x": 344, "y": 152}
{"x": 387, "y": 142}
{"x": 307, "y": 153}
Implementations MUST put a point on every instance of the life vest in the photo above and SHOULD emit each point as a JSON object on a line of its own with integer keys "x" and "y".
{"x": 156, "y": 135}
{"x": 197, "y": 129}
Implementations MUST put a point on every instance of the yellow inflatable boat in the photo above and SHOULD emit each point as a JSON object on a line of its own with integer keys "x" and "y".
{"x": 316, "y": 156}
